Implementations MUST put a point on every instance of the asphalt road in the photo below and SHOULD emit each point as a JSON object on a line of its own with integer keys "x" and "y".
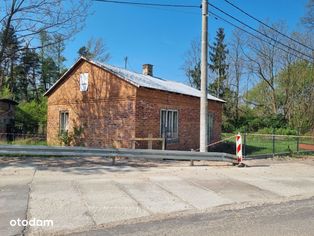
{"x": 289, "y": 218}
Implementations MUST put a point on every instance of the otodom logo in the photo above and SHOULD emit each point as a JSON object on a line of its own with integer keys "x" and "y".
{"x": 33, "y": 223}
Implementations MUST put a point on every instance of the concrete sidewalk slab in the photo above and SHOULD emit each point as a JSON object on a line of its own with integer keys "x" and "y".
{"x": 279, "y": 179}
{"x": 198, "y": 197}
{"x": 108, "y": 203}
{"x": 60, "y": 202}
{"x": 235, "y": 190}
{"x": 13, "y": 206}
{"x": 153, "y": 198}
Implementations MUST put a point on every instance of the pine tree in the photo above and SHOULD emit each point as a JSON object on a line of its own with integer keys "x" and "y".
{"x": 10, "y": 46}
{"x": 218, "y": 65}
{"x": 51, "y": 60}
{"x": 28, "y": 75}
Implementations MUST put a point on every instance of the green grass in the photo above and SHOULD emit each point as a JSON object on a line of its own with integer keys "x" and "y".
{"x": 26, "y": 141}
{"x": 264, "y": 145}
{"x": 257, "y": 145}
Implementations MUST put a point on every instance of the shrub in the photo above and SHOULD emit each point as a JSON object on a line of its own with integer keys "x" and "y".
{"x": 71, "y": 138}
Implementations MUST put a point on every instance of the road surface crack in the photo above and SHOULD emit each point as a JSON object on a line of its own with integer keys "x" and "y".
{"x": 88, "y": 213}
{"x": 26, "y": 215}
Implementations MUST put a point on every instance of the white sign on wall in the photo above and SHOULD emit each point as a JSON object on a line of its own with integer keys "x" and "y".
{"x": 83, "y": 82}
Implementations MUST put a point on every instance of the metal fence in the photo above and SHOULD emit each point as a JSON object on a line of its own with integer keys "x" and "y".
{"x": 267, "y": 145}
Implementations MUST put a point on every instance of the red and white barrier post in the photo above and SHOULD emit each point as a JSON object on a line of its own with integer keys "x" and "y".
{"x": 239, "y": 148}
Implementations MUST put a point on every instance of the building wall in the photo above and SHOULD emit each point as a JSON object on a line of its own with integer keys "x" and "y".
{"x": 7, "y": 115}
{"x": 106, "y": 112}
{"x": 149, "y": 102}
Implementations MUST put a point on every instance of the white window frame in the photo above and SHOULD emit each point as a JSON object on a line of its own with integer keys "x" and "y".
{"x": 84, "y": 82}
{"x": 63, "y": 126}
{"x": 169, "y": 135}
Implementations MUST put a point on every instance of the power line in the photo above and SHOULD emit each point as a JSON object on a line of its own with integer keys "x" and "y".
{"x": 149, "y": 4}
{"x": 224, "y": 12}
{"x": 268, "y": 26}
{"x": 265, "y": 35}
{"x": 255, "y": 36}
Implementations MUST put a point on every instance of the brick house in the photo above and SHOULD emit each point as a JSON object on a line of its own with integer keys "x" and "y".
{"x": 114, "y": 105}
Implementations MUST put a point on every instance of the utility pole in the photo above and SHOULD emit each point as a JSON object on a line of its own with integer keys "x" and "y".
{"x": 204, "y": 72}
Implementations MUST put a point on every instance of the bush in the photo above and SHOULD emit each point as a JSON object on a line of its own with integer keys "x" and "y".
{"x": 31, "y": 115}
{"x": 71, "y": 138}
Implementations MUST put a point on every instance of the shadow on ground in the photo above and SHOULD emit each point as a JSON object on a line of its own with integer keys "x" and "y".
{"x": 94, "y": 165}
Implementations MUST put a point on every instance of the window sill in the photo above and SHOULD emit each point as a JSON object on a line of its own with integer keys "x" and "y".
{"x": 172, "y": 140}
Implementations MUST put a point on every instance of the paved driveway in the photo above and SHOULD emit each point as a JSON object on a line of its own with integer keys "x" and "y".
{"x": 89, "y": 193}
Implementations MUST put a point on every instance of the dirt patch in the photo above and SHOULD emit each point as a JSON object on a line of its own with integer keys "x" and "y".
{"x": 309, "y": 147}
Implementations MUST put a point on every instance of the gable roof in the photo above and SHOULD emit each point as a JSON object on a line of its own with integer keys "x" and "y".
{"x": 140, "y": 80}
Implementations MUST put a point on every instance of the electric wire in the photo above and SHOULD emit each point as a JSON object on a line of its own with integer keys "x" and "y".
{"x": 149, "y": 4}
{"x": 255, "y": 36}
{"x": 268, "y": 26}
{"x": 265, "y": 35}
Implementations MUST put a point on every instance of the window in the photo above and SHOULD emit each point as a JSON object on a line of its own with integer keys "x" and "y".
{"x": 169, "y": 124}
{"x": 64, "y": 121}
{"x": 83, "y": 82}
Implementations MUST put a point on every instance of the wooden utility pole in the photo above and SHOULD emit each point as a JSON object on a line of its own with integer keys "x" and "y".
{"x": 204, "y": 72}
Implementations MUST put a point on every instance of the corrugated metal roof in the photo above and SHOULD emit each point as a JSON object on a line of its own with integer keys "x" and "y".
{"x": 147, "y": 81}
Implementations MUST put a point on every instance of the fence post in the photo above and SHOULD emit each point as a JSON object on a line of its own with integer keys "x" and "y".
{"x": 244, "y": 144}
{"x": 298, "y": 141}
{"x": 273, "y": 139}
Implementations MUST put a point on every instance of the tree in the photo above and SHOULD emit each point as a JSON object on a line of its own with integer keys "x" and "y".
{"x": 31, "y": 17}
{"x": 308, "y": 19}
{"x": 58, "y": 50}
{"x": 95, "y": 49}
{"x": 192, "y": 64}
{"x": 84, "y": 52}
{"x": 297, "y": 102}
{"x": 236, "y": 71}
{"x": 265, "y": 62}
{"x": 11, "y": 57}
{"x": 27, "y": 75}
{"x": 218, "y": 64}
{"x": 51, "y": 60}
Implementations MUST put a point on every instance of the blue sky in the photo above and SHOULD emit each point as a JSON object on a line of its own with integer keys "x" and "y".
{"x": 161, "y": 36}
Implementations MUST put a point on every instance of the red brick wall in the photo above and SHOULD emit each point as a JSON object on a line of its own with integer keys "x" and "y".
{"x": 106, "y": 111}
{"x": 149, "y": 102}
{"x": 113, "y": 111}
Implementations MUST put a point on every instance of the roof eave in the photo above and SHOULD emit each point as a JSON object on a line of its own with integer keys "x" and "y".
{"x": 63, "y": 76}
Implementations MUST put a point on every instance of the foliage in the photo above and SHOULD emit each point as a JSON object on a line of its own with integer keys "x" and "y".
{"x": 5, "y": 92}
{"x": 218, "y": 65}
{"x": 295, "y": 94}
{"x": 194, "y": 75}
{"x": 95, "y": 49}
{"x": 71, "y": 138}
{"x": 31, "y": 116}
{"x": 308, "y": 19}
{"x": 192, "y": 64}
